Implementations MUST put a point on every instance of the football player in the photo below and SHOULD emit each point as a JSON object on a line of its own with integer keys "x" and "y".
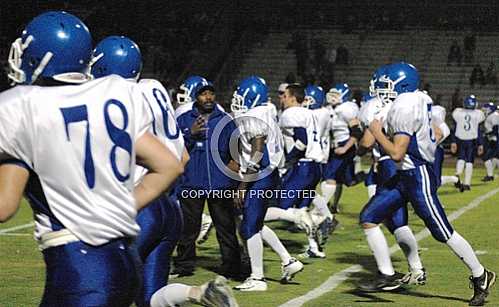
{"x": 491, "y": 155}
{"x": 303, "y": 157}
{"x": 72, "y": 146}
{"x": 467, "y": 138}
{"x": 261, "y": 155}
{"x": 340, "y": 168}
{"x": 409, "y": 121}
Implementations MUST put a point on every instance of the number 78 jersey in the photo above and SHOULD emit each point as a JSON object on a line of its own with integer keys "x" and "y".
{"x": 79, "y": 141}
{"x": 467, "y": 122}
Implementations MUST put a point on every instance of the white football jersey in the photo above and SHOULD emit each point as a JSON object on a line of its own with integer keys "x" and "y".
{"x": 467, "y": 122}
{"x": 324, "y": 116}
{"x": 492, "y": 121}
{"x": 299, "y": 117}
{"x": 411, "y": 115}
{"x": 79, "y": 140}
{"x": 342, "y": 115}
{"x": 256, "y": 122}
{"x": 164, "y": 126}
{"x": 374, "y": 108}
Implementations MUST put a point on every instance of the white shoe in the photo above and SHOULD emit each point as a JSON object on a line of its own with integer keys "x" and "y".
{"x": 216, "y": 293}
{"x": 416, "y": 277}
{"x": 252, "y": 284}
{"x": 290, "y": 269}
{"x": 312, "y": 254}
{"x": 206, "y": 224}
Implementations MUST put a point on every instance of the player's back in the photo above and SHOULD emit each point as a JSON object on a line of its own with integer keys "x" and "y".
{"x": 324, "y": 117}
{"x": 492, "y": 122}
{"x": 299, "y": 117}
{"x": 467, "y": 122}
{"x": 411, "y": 115}
{"x": 343, "y": 114}
{"x": 79, "y": 141}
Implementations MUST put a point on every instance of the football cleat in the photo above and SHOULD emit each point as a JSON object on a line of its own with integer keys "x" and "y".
{"x": 252, "y": 284}
{"x": 481, "y": 286}
{"x": 306, "y": 222}
{"x": 206, "y": 225}
{"x": 465, "y": 187}
{"x": 416, "y": 277}
{"x": 381, "y": 283}
{"x": 488, "y": 178}
{"x": 216, "y": 293}
{"x": 290, "y": 270}
{"x": 312, "y": 254}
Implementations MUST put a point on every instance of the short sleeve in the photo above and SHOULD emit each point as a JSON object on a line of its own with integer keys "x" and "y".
{"x": 403, "y": 117}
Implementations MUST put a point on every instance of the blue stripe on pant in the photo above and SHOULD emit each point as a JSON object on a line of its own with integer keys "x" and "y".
{"x": 161, "y": 225}
{"x": 304, "y": 176}
{"x": 81, "y": 275}
{"x": 420, "y": 188}
{"x": 255, "y": 205}
{"x": 466, "y": 150}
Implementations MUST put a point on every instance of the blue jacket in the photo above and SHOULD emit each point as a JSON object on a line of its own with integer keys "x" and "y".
{"x": 201, "y": 171}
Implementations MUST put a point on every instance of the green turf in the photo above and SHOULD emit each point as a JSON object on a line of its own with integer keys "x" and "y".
{"x": 22, "y": 268}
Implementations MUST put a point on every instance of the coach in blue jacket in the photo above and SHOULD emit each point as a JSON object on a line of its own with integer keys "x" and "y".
{"x": 205, "y": 180}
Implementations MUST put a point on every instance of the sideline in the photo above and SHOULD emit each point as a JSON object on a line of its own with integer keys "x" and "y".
{"x": 335, "y": 280}
{"x": 7, "y": 230}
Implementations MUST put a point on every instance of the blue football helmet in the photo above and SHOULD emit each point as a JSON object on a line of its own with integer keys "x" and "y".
{"x": 489, "y": 108}
{"x": 339, "y": 93}
{"x": 186, "y": 93}
{"x": 314, "y": 97}
{"x": 470, "y": 102}
{"x": 250, "y": 93}
{"x": 54, "y": 44}
{"x": 398, "y": 78}
{"x": 380, "y": 71}
{"x": 117, "y": 55}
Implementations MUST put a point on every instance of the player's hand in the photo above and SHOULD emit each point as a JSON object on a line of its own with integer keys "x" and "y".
{"x": 354, "y": 122}
{"x": 480, "y": 150}
{"x": 453, "y": 148}
{"x": 199, "y": 126}
{"x": 340, "y": 150}
{"x": 376, "y": 127}
{"x": 239, "y": 199}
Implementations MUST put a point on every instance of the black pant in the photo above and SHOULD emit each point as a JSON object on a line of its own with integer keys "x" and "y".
{"x": 223, "y": 216}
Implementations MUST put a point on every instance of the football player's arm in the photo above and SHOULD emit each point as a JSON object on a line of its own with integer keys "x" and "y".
{"x": 366, "y": 142}
{"x": 257, "y": 149}
{"x": 396, "y": 149}
{"x": 163, "y": 168}
{"x": 13, "y": 180}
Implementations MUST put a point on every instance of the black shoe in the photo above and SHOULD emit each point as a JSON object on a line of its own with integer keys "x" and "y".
{"x": 180, "y": 272}
{"x": 481, "y": 286}
{"x": 465, "y": 187}
{"x": 458, "y": 184}
{"x": 381, "y": 283}
{"x": 488, "y": 178}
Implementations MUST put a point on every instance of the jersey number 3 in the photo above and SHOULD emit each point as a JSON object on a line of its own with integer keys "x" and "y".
{"x": 119, "y": 137}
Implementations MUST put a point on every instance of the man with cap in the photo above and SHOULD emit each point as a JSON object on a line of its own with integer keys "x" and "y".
{"x": 207, "y": 130}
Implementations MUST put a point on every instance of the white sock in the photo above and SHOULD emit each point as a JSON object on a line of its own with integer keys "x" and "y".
{"x": 357, "y": 164}
{"x": 463, "y": 250}
{"x": 327, "y": 190}
{"x": 275, "y": 214}
{"x": 321, "y": 206}
{"x": 489, "y": 166}
{"x": 255, "y": 252}
{"x": 371, "y": 190}
{"x": 448, "y": 179}
{"x": 171, "y": 295}
{"x": 407, "y": 242}
{"x": 312, "y": 244}
{"x": 270, "y": 237}
{"x": 468, "y": 171}
{"x": 496, "y": 163}
{"x": 378, "y": 245}
{"x": 459, "y": 167}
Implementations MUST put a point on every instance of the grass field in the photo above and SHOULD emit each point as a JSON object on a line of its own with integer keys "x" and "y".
{"x": 22, "y": 268}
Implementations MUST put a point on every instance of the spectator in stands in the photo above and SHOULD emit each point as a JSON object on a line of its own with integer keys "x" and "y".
{"x": 477, "y": 76}
{"x": 456, "y": 99}
{"x": 469, "y": 47}
{"x": 455, "y": 54}
{"x": 342, "y": 55}
{"x": 490, "y": 75}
